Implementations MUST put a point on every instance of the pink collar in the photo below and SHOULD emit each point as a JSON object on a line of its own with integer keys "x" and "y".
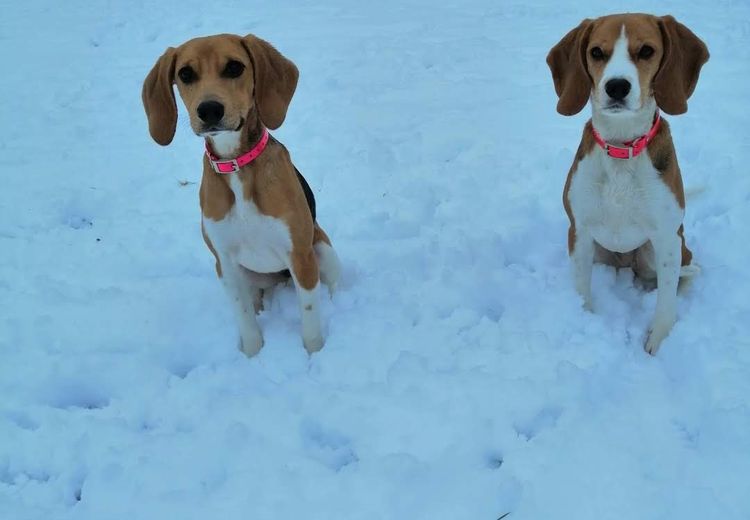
{"x": 632, "y": 148}
{"x": 233, "y": 165}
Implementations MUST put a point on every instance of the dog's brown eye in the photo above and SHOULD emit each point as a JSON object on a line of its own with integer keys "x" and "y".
{"x": 187, "y": 75}
{"x": 646, "y": 52}
{"x": 234, "y": 69}
{"x": 597, "y": 53}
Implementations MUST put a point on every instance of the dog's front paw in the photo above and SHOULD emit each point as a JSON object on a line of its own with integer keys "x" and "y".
{"x": 313, "y": 344}
{"x": 250, "y": 344}
{"x": 588, "y": 302}
{"x": 584, "y": 291}
{"x": 656, "y": 334}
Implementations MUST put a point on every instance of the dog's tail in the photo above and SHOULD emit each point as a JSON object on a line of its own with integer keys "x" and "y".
{"x": 328, "y": 260}
{"x": 692, "y": 270}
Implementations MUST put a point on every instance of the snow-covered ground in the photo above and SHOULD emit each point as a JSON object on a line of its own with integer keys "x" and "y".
{"x": 461, "y": 378}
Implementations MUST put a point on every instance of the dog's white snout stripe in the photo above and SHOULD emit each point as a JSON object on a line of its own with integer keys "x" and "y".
{"x": 621, "y": 66}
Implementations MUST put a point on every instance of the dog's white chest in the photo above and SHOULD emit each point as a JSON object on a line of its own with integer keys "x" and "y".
{"x": 255, "y": 241}
{"x": 621, "y": 203}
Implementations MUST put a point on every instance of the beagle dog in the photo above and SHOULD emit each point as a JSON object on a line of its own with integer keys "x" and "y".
{"x": 624, "y": 194}
{"x": 258, "y": 213}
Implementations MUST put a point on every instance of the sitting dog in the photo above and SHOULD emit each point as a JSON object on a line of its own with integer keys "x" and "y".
{"x": 258, "y": 213}
{"x": 624, "y": 194}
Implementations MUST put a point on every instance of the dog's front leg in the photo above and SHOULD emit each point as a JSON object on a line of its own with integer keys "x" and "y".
{"x": 667, "y": 257}
{"x": 245, "y": 300}
{"x": 304, "y": 271}
{"x": 582, "y": 256}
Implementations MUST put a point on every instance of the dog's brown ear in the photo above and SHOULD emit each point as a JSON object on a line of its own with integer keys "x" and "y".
{"x": 275, "y": 80}
{"x": 684, "y": 55}
{"x": 158, "y": 99}
{"x": 567, "y": 62}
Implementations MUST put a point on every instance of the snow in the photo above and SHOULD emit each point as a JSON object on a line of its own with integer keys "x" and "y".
{"x": 461, "y": 379}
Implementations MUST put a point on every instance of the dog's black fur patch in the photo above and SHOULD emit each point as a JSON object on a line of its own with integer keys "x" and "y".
{"x": 308, "y": 193}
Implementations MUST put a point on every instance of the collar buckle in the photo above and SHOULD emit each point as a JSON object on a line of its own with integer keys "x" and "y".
{"x": 619, "y": 152}
{"x": 637, "y": 146}
{"x": 225, "y": 166}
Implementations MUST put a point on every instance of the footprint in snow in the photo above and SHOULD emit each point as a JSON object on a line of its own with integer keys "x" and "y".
{"x": 546, "y": 418}
{"x": 21, "y": 419}
{"x": 78, "y": 222}
{"x": 71, "y": 393}
{"x": 330, "y": 448}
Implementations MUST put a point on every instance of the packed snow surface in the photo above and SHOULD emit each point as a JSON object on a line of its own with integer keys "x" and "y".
{"x": 461, "y": 378}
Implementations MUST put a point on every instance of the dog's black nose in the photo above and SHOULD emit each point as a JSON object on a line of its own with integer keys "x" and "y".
{"x": 617, "y": 88}
{"x": 210, "y": 112}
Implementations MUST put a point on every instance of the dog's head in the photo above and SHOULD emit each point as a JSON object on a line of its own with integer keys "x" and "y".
{"x": 622, "y": 61}
{"x": 221, "y": 79}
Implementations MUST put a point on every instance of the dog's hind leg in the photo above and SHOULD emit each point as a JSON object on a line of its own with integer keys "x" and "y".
{"x": 688, "y": 268}
{"x": 263, "y": 284}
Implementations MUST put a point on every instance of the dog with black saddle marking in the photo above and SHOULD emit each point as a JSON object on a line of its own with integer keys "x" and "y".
{"x": 258, "y": 212}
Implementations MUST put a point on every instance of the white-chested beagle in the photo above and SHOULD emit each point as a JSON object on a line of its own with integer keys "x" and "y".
{"x": 624, "y": 194}
{"x": 258, "y": 213}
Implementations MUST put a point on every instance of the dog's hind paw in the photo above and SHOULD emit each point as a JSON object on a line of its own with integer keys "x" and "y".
{"x": 690, "y": 271}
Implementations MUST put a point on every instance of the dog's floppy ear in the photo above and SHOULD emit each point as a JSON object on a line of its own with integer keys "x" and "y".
{"x": 275, "y": 80}
{"x": 567, "y": 62}
{"x": 158, "y": 99}
{"x": 684, "y": 55}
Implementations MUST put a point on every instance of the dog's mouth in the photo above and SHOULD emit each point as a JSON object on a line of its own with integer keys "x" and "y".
{"x": 214, "y": 130}
{"x": 615, "y": 107}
